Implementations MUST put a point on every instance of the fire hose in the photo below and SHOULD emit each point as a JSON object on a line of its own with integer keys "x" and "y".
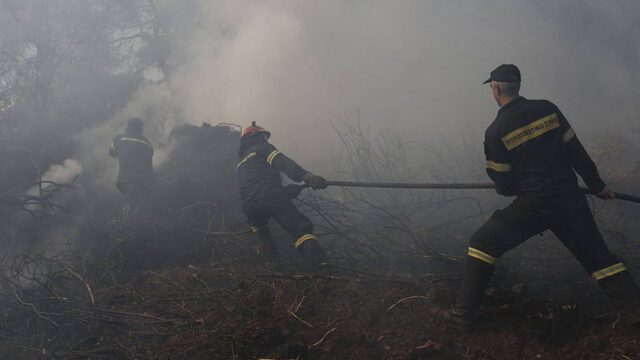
{"x": 389, "y": 185}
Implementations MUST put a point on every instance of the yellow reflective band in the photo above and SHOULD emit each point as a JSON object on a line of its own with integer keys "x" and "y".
{"x": 568, "y": 135}
{"x": 303, "y": 239}
{"x": 136, "y": 140}
{"x": 609, "y": 271}
{"x": 246, "y": 158}
{"x": 272, "y": 156}
{"x": 482, "y": 256}
{"x": 498, "y": 166}
{"x": 254, "y": 229}
{"x": 531, "y": 131}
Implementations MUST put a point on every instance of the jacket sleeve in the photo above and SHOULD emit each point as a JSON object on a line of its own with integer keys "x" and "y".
{"x": 580, "y": 160}
{"x": 113, "y": 149}
{"x": 498, "y": 166}
{"x": 284, "y": 164}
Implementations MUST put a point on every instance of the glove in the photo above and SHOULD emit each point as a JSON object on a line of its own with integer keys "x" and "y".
{"x": 606, "y": 194}
{"x": 293, "y": 190}
{"x": 315, "y": 181}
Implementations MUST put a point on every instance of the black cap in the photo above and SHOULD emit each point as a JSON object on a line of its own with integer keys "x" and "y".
{"x": 505, "y": 73}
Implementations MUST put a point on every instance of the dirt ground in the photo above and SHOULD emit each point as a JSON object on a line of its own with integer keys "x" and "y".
{"x": 229, "y": 304}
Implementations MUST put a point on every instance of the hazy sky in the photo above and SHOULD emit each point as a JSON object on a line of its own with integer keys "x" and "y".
{"x": 417, "y": 67}
{"x": 414, "y": 66}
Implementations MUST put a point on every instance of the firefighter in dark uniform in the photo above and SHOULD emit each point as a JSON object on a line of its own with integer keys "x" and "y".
{"x": 264, "y": 197}
{"x": 135, "y": 177}
{"x": 532, "y": 153}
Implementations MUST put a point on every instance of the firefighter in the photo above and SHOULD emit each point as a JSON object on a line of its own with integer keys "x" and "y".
{"x": 135, "y": 177}
{"x": 264, "y": 197}
{"x": 532, "y": 153}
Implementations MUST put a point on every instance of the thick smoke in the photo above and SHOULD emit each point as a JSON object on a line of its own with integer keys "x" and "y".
{"x": 153, "y": 103}
{"x": 64, "y": 173}
{"x": 415, "y": 67}
{"x": 60, "y": 174}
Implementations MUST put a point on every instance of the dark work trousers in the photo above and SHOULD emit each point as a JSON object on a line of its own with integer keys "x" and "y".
{"x": 284, "y": 213}
{"x": 567, "y": 216}
{"x": 143, "y": 195}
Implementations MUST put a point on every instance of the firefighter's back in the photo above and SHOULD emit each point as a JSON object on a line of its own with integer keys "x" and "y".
{"x": 258, "y": 181}
{"x": 135, "y": 158}
{"x": 534, "y": 133}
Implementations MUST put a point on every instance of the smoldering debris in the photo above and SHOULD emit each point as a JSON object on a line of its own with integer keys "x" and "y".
{"x": 199, "y": 172}
{"x": 234, "y": 307}
{"x": 192, "y": 286}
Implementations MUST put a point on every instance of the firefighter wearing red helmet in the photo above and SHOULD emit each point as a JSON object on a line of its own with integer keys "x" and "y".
{"x": 264, "y": 197}
{"x": 255, "y": 129}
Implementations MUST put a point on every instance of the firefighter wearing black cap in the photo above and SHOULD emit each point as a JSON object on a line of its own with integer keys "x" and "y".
{"x": 533, "y": 153}
{"x": 134, "y": 152}
{"x": 264, "y": 197}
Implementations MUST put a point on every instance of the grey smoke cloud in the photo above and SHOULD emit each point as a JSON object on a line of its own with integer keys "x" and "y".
{"x": 63, "y": 173}
{"x": 412, "y": 66}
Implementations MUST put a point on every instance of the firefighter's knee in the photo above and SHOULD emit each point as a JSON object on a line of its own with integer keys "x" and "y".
{"x": 299, "y": 226}
{"x": 481, "y": 247}
{"x": 478, "y": 239}
{"x": 307, "y": 226}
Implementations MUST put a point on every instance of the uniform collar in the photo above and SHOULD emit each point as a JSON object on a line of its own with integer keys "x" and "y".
{"x": 511, "y": 104}
{"x": 133, "y": 135}
{"x": 250, "y": 144}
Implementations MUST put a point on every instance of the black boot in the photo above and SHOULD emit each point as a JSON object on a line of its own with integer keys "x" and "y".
{"x": 476, "y": 278}
{"x": 266, "y": 244}
{"x": 313, "y": 254}
{"x": 624, "y": 293}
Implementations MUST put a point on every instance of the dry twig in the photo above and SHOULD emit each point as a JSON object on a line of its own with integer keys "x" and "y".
{"x": 323, "y": 338}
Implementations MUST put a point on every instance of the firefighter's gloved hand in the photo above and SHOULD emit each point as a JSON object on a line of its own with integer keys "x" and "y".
{"x": 293, "y": 190}
{"x": 315, "y": 181}
{"x": 606, "y": 194}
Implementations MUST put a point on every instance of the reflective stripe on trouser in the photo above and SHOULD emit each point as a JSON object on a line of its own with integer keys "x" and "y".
{"x": 303, "y": 239}
{"x": 482, "y": 256}
{"x": 609, "y": 271}
{"x": 568, "y": 217}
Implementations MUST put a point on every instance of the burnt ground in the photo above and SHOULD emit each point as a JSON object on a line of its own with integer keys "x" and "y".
{"x": 121, "y": 290}
{"x": 221, "y": 301}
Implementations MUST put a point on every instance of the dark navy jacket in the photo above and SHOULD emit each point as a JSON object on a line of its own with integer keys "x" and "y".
{"x": 134, "y": 153}
{"x": 258, "y": 174}
{"x": 531, "y": 149}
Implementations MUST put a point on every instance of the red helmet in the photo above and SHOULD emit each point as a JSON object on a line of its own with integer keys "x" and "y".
{"x": 255, "y": 129}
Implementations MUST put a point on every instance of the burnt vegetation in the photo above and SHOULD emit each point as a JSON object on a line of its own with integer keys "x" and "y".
{"x": 84, "y": 278}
